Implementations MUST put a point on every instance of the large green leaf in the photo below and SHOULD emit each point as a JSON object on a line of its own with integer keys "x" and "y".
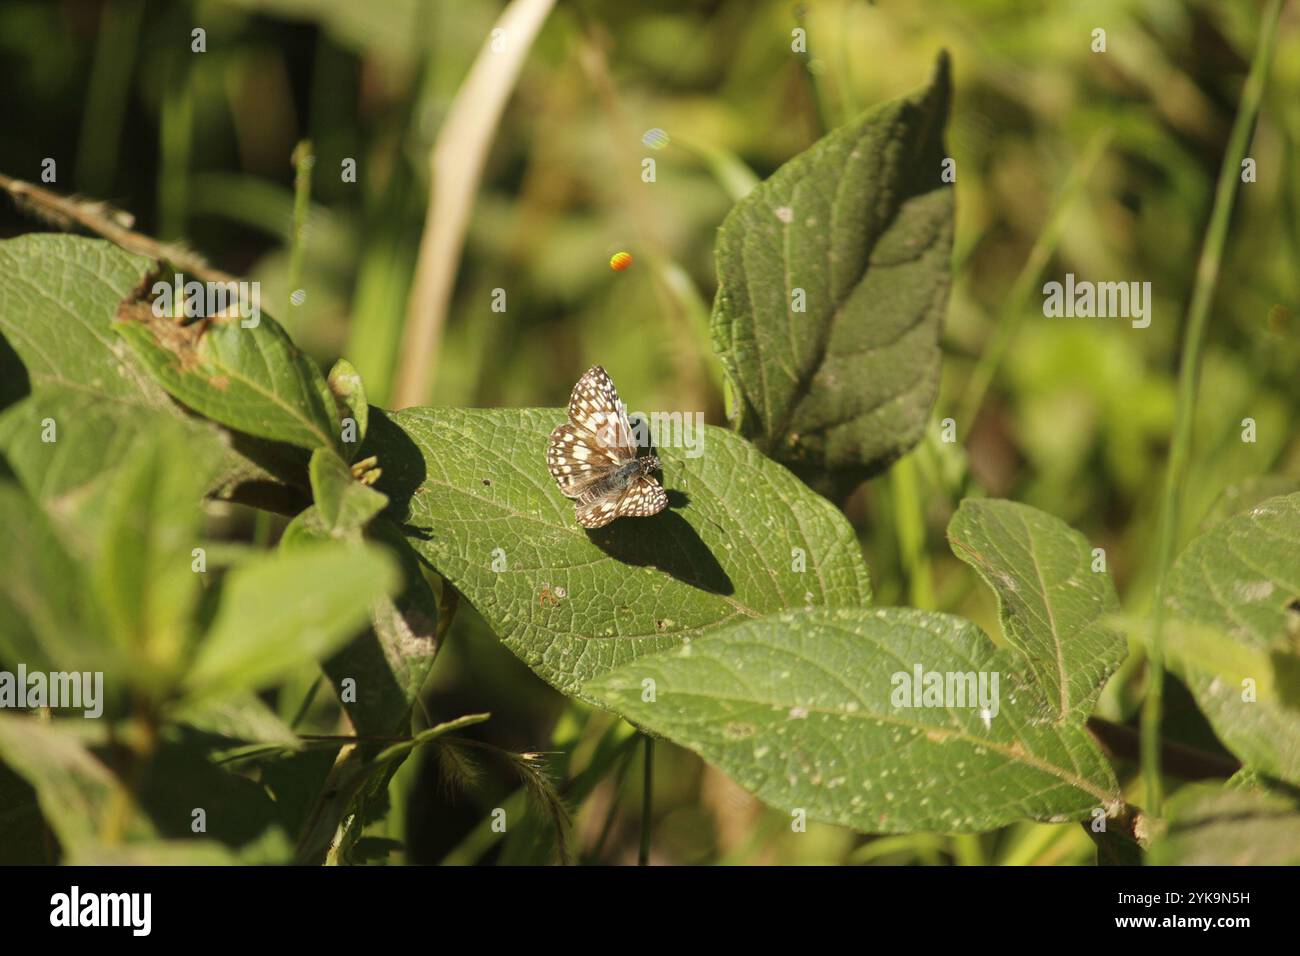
{"x": 253, "y": 379}
{"x": 861, "y": 224}
{"x": 1242, "y": 579}
{"x": 1050, "y": 600}
{"x": 800, "y": 708}
{"x": 89, "y": 395}
{"x": 58, "y": 295}
{"x": 281, "y": 610}
{"x": 58, "y": 299}
{"x": 473, "y": 491}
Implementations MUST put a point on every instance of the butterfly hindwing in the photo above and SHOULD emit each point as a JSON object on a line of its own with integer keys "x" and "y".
{"x": 643, "y": 497}
{"x": 598, "y": 512}
{"x": 577, "y": 459}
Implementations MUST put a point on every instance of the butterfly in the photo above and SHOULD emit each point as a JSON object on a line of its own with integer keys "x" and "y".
{"x": 593, "y": 457}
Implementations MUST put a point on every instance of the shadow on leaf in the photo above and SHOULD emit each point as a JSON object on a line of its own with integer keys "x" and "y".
{"x": 666, "y": 542}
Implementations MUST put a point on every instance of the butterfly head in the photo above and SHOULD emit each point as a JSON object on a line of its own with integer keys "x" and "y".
{"x": 649, "y": 463}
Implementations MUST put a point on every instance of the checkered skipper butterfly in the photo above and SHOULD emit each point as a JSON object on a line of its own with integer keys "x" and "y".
{"x": 593, "y": 457}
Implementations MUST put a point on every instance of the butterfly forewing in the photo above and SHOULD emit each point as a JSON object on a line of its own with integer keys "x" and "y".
{"x": 594, "y": 407}
{"x": 577, "y": 459}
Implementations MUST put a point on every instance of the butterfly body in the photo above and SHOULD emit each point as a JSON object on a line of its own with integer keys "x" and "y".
{"x": 594, "y": 459}
{"x": 621, "y": 478}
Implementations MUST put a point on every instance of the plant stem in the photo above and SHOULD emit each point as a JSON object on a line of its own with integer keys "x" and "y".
{"x": 303, "y": 161}
{"x": 647, "y": 792}
{"x": 909, "y": 524}
{"x": 1207, "y": 275}
{"x": 456, "y": 166}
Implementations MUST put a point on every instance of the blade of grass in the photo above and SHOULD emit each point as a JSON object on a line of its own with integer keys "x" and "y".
{"x": 909, "y": 522}
{"x": 176, "y": 139}
{"x": 456, "y": 168}
{"x": 106, "y": 95}
{"x": 303, "y": 161}
{"x": 1189, "y": 372}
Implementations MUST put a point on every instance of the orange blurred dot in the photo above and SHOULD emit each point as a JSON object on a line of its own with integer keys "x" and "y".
{"x": 620, "y": 261}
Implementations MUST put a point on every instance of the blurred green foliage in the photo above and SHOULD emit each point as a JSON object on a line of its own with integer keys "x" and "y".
{"x": 198, "y": 147}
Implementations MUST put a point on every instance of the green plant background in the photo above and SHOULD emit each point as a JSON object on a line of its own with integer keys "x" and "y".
{"x": 1099, "y": 164}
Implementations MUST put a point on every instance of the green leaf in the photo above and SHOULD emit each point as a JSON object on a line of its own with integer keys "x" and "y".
{"x": 345, "y": 505}
{"x": 48, "y": 618}
{"x": 281, "y": 610}
{"x": 75, "y": 790}
{"x": 239, "y": 717}
{"x": 1242, "y": 579}
{"x": 862, "y": 224}
{"x": 389, "y": 662}
{"x": 58, "y": 298}
{"x": 472, "y": 489}
{"x": 350, "y": 395}
{"x": 92, "y": 437}
{"x": 58, "y": 295}
{"x": 1050, "y": 601}
{"x": 89, "y": 394}
{"x": 271, "y": 849}
{"x": 1218, "y": 826}
{"x": 251, "y": 379}
{"x": 802, "y": 709}
{"x": 143, "y": 576}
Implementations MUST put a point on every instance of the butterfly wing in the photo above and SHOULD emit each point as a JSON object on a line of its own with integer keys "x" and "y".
{"x": 643, "y": 497}
{"x": 595, "y": 408}
{"x": 598, "y": 512}
{"x": 577, "y": 459}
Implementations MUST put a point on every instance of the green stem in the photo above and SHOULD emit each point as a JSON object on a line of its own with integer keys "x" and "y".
{"x": 647, "y": 792}
{"x": 303, "y": 161}
{"x": 1207, "y": 275}
{"x": 909, "y": 522}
